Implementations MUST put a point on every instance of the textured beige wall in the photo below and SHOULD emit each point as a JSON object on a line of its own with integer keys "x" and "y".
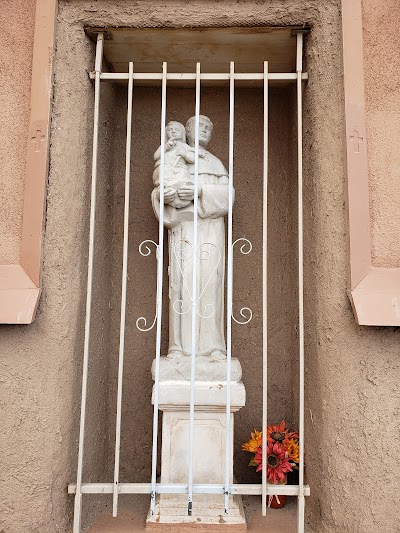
{"x": 351, "y": 372}
{"x": 17, "y": 19}
{"x": 381, "y": 21}
{"x": 41, "y": 364}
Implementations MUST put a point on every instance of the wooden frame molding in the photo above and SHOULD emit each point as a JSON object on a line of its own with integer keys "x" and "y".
{"x": 20, "y": 284}
{"x": 374, "y": 292}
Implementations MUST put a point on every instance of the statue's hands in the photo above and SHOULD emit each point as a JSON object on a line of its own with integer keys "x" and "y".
{"x": 187, "y": 192}
{"x": 169, "y": 195}
{"x": 170, "y": 144}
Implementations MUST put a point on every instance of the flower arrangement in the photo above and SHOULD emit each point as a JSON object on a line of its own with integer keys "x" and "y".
{"x": 282, "y": 451}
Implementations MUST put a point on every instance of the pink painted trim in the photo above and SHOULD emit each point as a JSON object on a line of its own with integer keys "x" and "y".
{"x": 14, "y": 277}
{"x": 20, "y": 285}
{"x": 376, "y": 299}
{"x": 374, "y": 292}
{"x": 38, "y": 140}
{"x": 19, "y": 296}
{"x": 356, "y": 142}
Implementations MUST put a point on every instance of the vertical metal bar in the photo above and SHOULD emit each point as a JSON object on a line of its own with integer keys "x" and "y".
{"x": 194, "y": 290}
{"x": 265, "y": 297}
{"x": 229, "y": 289}
{"x": 299, "y": 68}
{"x": 123, "y": 291}
{"x": 78, "y": 494}
{"x": 160, "y": 265}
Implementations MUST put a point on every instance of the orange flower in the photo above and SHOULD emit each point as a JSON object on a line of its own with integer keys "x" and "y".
{"x": 279, "y": 433}
{"x": 292, "y": 448}
{"x": 254, "y": 443}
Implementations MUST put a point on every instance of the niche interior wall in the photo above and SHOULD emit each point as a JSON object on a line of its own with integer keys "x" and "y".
{"x": 247, "y": 339}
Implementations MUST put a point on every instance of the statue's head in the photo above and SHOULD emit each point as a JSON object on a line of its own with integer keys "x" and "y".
{"x": 205, "y": 130}
{"x": 175, "y": 130}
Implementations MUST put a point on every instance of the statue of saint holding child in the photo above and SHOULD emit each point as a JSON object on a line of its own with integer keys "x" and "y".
{"x": 210, "y": 254}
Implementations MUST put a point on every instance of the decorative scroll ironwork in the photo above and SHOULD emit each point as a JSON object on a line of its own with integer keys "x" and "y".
{"x": 145, "y": 251}
{"x": 183, "y": 251}
{"x": 204, "y": 255}
{"x": 148, "y": 250}
{"x": 244, "y": 312}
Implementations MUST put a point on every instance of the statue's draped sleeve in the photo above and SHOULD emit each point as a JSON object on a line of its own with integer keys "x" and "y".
{"x": 213, "y": 199}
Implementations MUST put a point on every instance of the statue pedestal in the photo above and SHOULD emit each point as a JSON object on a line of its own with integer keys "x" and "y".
{"x": 209, "y": 450}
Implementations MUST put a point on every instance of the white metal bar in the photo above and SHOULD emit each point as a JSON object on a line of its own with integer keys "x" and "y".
{"x": 160, "y": 265}
{"x": 180, "y": 488}
{"x": 187, "y": 76}
{"x": 194, "y": 289}
{"x": 229, "y": 295}
{"x": 123, "y": 290}
{"x": 265, "y": 297}
{"x": 78, "y": 495}
{"x": 299, "y": 68}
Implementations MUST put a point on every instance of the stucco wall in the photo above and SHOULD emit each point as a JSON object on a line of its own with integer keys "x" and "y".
{"x": 41, "y": 364}
{"x": 382, "y": 85}
{"x": 17, "y": 18}
{"x": 352, "y": 373}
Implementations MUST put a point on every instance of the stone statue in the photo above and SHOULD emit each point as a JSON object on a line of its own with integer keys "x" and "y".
{"x": 174, "y": 371}
{"x": 210, "y": 253}
{"x": 177, "y": 155}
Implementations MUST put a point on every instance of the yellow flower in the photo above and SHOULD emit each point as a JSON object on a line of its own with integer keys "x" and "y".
{"x": 292, "y": 447}
{"x": 254, "y": 443}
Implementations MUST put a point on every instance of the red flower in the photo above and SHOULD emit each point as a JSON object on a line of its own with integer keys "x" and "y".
{"x": 277, "y": 462}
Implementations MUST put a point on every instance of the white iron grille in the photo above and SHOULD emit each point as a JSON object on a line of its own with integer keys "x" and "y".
{"x": 191, "y": 488}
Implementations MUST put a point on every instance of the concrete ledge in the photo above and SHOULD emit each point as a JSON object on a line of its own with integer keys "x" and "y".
{"x": 208, "y": 528}
{"x": 376, "y": 299}
{"x": 208, "y": 516}
{"x": 276, "y": 521}
{"x": 19, "y": 296}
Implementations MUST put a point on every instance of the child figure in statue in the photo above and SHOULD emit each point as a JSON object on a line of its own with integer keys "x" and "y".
{"x": 178, "y": 154}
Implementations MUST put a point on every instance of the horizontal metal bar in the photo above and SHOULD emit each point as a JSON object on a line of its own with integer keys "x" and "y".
{"x": 256, "y": 490}
{"x": 187, "y": 76}
{"x": 177, "y": 488}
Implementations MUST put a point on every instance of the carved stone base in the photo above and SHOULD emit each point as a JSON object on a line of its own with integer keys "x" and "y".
{"x": 205, "y": 369}
{"x": 208, "y": 514}
{"x": 209, "y": 455}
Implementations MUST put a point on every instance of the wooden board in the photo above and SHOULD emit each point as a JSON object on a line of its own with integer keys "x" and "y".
{"x": 213, "y": 47}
